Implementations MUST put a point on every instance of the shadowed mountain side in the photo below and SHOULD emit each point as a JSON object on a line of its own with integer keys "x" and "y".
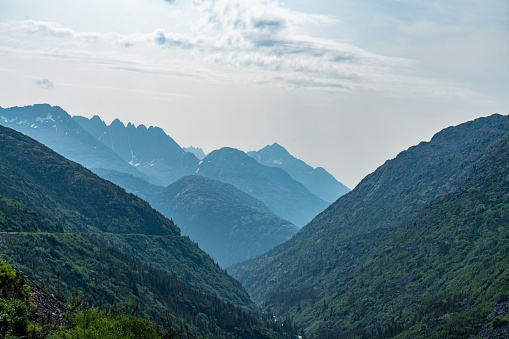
{"x": 317, "y": 180}
{"x": 284, "y": 196}
{"x": 72, "y": 198}
{"x": 228, "y": 224}
{"x": 150, "y": 150}
{"x": 70, "y": 263}
{"x": 391, "y": 196}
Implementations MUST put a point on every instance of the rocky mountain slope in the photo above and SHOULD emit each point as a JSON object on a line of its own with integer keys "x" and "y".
{"x": 54, "y": 127}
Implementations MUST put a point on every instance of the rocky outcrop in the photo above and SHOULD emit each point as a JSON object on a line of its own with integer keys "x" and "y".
{"x": 45, "y": 307}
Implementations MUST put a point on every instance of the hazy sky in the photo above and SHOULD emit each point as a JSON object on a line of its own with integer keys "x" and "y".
{"x": 341, "y": 84}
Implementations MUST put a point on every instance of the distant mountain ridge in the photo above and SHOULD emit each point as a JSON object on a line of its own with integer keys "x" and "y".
{"x": 150, "y": 150}
{"x": 286, "y": 197}
{"x": 198, "y": 152}
{"x": 160, "y": 158}
{"x": 227, "y": 223}
{"x": 317, "y": 180}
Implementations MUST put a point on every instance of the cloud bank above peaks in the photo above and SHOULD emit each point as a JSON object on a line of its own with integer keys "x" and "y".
{"x": 251, "y": 41}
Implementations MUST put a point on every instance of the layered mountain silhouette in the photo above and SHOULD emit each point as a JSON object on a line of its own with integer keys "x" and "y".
{"x": 152, "y": 155}
{"x": 160, "y": 158}
{"x": 228, "y": 224}
{"x": 286, "y": 197}
{"x": 317, "y": 180}
{"x": 73, "y": 199}
{"x": 72, "y": 231}
{"x": 419, "y": 246}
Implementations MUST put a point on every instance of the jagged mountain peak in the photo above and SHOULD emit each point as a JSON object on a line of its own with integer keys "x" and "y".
{"x": 117, "y": 123}
{"x": 149, "y": 150}
{"x": 54, "y": 127}
{"x": 198, "y": 152}
{"x": 275, "y": 147}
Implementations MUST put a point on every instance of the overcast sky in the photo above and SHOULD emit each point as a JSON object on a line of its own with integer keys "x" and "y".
{"x": 341, "y": 84}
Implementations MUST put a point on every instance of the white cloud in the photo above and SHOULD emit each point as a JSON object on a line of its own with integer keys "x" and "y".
{"x": 44, "y": 83}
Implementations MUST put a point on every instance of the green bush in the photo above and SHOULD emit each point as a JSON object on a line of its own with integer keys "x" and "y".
{"x": 96, "y": 323}
{"x": 7, "y": 275}
{"x": 14, "y": 315}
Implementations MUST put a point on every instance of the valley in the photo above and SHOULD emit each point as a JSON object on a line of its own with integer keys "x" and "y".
{"x": 260, "y": 244}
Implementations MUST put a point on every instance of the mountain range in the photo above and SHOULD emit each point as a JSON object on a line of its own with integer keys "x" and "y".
{"x": 286, "y": 197}
{"x": 418, "y": 246}
{"x": 149, "y": 150}
{"x": 159, "y": 158}
{"x": 145, "y": 160}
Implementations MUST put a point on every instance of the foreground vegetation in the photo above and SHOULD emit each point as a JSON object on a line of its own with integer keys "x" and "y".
{"x": 113, "y": 320}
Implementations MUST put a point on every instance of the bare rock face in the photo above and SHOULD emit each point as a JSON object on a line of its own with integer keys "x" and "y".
{"x": 497, "y": 326}
{"x": 46, "y": 308}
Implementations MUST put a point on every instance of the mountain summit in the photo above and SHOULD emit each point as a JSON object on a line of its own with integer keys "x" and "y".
{"x": 317, "y": 180}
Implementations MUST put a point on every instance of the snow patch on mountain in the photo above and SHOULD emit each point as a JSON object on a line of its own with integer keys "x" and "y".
{"x": 49, "y": 117}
